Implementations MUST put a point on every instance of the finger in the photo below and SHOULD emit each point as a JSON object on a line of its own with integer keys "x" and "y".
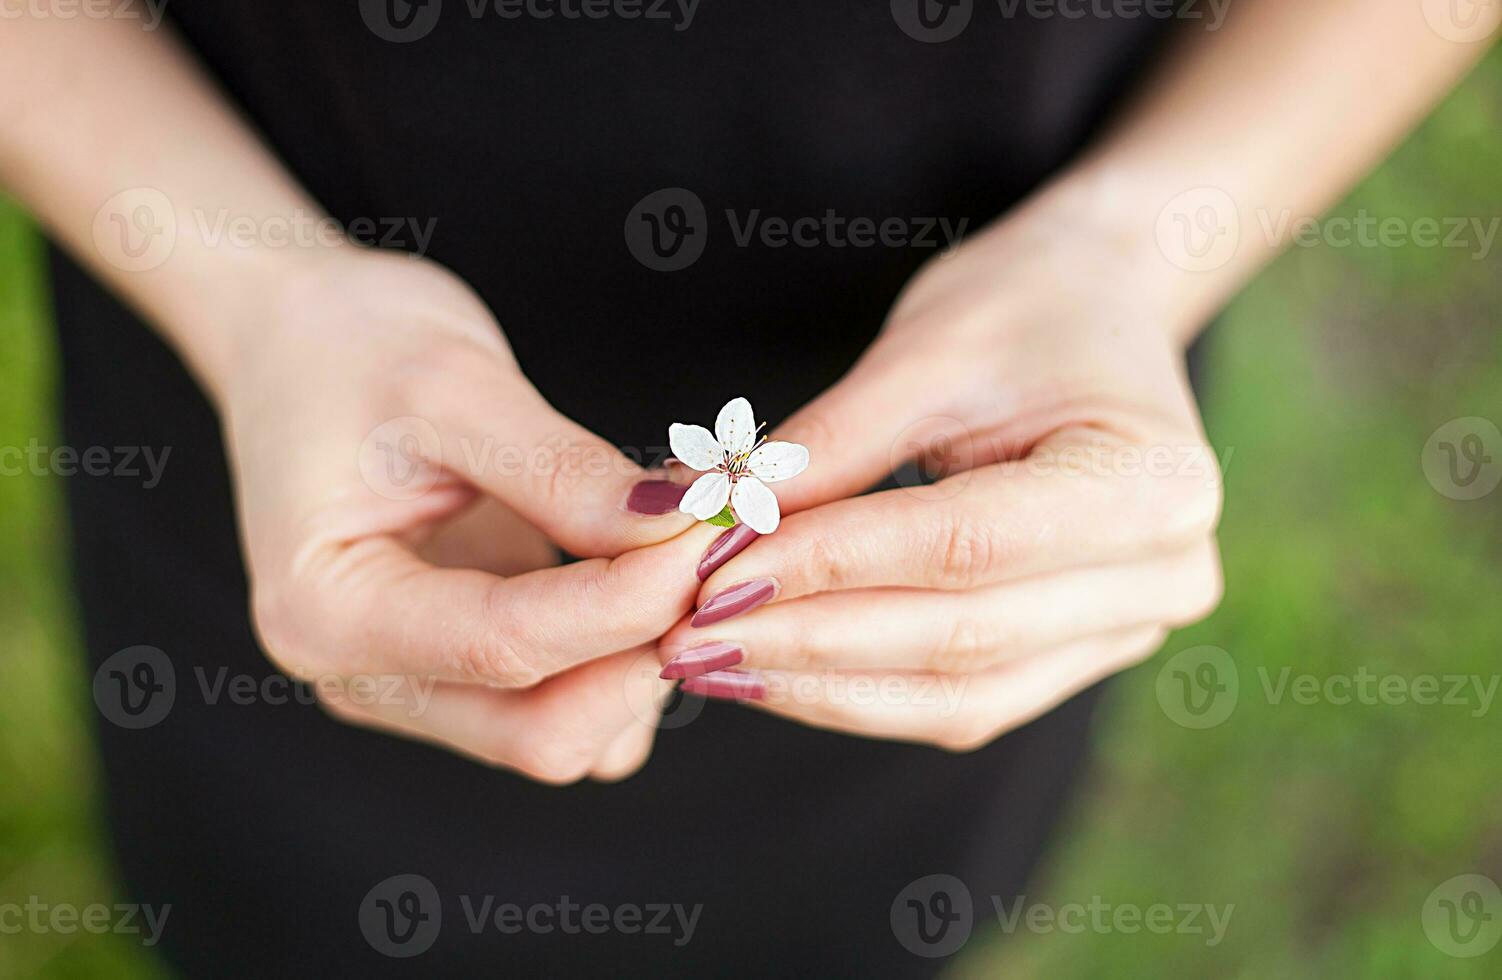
{"x": 646, "y": 694}
{"x": 625, "y": 756}
{"x": 557, "y": 733}
{"x": 957, "y": 713}
{"x": 952, "y": 632}
{"x": 858, "y": 431}
{"x": 491, "y": 537}
{"x": 373, "y": 606}
{"x": 879, "y": 416}
{"x": 563, "y": 479}
{"x": 992, "y": 524}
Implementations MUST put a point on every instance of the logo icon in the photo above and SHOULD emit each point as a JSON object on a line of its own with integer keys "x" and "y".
{"x": 1463, "y": 458}
{"x": 928, "y": 452}
{"x": 136, "y": 230}
{"x": 643, "y": 692}
{"x": 402, "y": 458}
{"x": 932, "y": 21}
{"x": 1199, "y": 687}
{"x": 135, "y": 687}
{"x": 400, "y": 917}
{"x": 1463, "y": 916}
{"x": 400, "y": 21}
{"x": 1463, "y": 21}
{"x": 1199, "y": 230}
{"x": 933, "y": 916}
{"x": 667, "y": 229}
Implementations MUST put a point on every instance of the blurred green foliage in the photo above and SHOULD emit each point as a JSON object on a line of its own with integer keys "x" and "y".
{"x": 52, "y": 845}
{"x": 1326, "y": 826}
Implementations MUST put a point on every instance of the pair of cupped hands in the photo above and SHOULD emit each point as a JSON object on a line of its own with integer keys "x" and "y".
{"x": 1074, "y": 527}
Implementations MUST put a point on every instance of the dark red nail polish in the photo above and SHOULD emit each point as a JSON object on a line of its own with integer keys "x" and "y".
{"x": 701, "y": 660}
{"x": 725, "y": 547}
{"x": 727, "y": 685}
{"x": 733, "y": 601}
{"x": 654, "y": 497}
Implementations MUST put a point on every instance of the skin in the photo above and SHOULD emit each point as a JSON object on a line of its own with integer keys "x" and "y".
{"x": 1074, "y": 528}
{"x": 1057, "y": 334}
{"x": 547, "y": 670}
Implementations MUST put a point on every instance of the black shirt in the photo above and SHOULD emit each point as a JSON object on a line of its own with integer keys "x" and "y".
{"x": 524, "y": 144}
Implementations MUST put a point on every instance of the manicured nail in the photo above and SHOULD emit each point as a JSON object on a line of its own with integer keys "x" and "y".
{"x": 654, "y": 497}
{"x": 701, "y": 660}
{"x": 727, "y": 685}
{"x": 725, "y": 547}
{"x": 733, "y": 601}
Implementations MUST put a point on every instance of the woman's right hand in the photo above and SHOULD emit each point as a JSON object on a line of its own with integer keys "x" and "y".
{"x": 401, "y": 487}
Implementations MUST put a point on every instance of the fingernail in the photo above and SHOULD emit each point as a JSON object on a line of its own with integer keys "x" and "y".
{"x": 654, "y": 497}
{"x": 725, "y": 547}
{"x": 733, "y": 601}
{"x": 727, "y": 685}
{"x": 702, "y": 660}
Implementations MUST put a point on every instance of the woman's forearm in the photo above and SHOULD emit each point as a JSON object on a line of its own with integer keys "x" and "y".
{"x": 1242, "y": 132}
{"x": 116, "y": 140}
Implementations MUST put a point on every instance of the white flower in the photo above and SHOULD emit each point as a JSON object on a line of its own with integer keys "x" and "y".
{"x": 740, "y": 467}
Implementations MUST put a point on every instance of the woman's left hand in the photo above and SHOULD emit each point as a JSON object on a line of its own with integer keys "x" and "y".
{"x": 1072, "y": 528}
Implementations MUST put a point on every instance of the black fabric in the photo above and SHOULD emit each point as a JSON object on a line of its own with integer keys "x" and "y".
{"x": 530, "y": 141}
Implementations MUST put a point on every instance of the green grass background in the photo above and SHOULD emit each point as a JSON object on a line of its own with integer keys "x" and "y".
{"x": 1326, "y": 826}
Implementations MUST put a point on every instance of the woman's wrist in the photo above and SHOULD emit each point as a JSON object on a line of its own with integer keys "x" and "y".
{"x": 224, "y": 323}
{"x": 1073, "y": 253}
{"x": 1090, "y": 237}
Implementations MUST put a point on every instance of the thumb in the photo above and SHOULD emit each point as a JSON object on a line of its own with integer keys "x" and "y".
{"x": 587, "y": 496}
{"x": 868, "y": 425}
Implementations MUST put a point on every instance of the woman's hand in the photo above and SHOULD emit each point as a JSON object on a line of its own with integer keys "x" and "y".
{"x": 401, "y": 490}
{"x": 370, "y": 403}
{"x": 1073, "y": 525}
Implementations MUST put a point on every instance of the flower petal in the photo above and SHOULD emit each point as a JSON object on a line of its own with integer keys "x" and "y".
{"x": 695, "y": 446}
{"x": 707, "y": 496}
{"x": 773, "y": 461}
{"x": 755, "y": 505}
{"x": 736, "y": 426}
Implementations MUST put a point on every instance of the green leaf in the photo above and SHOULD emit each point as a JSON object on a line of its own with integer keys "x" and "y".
{"x": 725, "y": 518}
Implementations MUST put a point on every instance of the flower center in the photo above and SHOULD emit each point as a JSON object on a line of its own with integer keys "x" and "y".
{"x": 735, "y": 466}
